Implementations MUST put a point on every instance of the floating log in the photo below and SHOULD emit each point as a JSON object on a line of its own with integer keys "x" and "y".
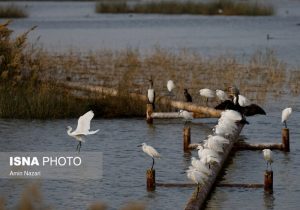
{"x": 286, "y": 139}
{"x": 186, "y": 138}
{"x": 198, "y": 199}
{"x": 149, "y": 111}
{"x": 150, "y": 175}
{"x": 261, "y": 146}
{"x": 268, "y": 186}
{"x": 199, "y": 111}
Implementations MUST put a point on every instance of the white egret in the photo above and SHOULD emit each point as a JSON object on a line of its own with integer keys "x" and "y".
{"x": 151, "y": 94}
{"x": 200, "y": 166}
{"x": 149, "y": 150}
{"x": 83, "y": 128}
{"x": 208, "y": 156}
{"x": 188, "y": 97}
{"x": 285, "y": 115}
{"x": 221, "y": 95}
{"x": 240, "y": 103}
{"x": 267, "y": 153}
{"x": 187, "y": 116}
{"x": 207, "y": 93}
{"x": 170, "y": 85}
{"x": 242, "y": 100}
{"x": 196, "y": 176}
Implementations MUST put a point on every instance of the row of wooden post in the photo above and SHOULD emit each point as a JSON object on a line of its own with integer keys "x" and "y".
{"x": 285, "y": 146}
{"x": 268, "y": 180}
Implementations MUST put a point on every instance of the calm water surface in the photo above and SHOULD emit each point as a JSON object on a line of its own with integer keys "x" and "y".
{"x": 74, "y": 25}
{"x": 125, "y": 164}
{"x": 66, "y": 25}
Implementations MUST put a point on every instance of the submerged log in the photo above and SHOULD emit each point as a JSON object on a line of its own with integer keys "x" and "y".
{"x": 240, "y": 185}
{"x": 261, "y": 146}
{"x": 165, "y": 115}
{"x": 198, "y": 199}
{"x": 200, "y": 111}
{"x": 218, "y": 185}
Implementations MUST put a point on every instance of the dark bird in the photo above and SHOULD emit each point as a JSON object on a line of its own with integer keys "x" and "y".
{"x": 247, "y": 111}
{"x": 188, "y": 97}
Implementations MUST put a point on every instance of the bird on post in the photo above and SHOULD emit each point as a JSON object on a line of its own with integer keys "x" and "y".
{"x": 207, "y": 93}
{"x": 267, "y": 153}
{"x": 188, "y": 97}
{"x": 149, "y": 150}
{"x": 285, "y": 115}
{"x": 151, "y": 94}
{"x": 170, "y": 86}
{"x": 83, "y": 128}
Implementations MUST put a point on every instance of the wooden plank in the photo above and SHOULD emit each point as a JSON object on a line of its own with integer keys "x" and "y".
{"x": 200, "y": 111}
{"x": 261, "y": 146}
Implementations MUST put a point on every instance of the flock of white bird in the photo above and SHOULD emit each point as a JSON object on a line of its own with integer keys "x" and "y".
{"x": 209, "y": 152}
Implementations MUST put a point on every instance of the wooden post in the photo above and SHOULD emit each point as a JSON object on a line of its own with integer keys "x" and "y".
{"x": 186, "y": 138}
{"x": 286, "y": 139}
{"x": 150, "y": 179}
{"x": 268, "y": 184}
{"x": 149, "y": 112}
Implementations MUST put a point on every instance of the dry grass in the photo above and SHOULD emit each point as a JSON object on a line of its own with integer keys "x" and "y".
{"x": 32, "y": 79}
{"x": 12, "y": 11}
{"x": 217, "y": 7}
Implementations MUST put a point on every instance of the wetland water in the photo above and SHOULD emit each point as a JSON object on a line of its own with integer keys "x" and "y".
{"x": 66, "y": 25}
{"x": 74, "y": 25}
{"x": 124, "y": 163}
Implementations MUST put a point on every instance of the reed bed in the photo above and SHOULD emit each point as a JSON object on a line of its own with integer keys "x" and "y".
{"x": 32, "y": 80}
{"x": 217, "y": 7}
{"x": 12, "y": 11}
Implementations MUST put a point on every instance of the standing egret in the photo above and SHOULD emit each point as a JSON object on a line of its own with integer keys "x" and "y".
{"x": 268, "y": 157}
{"x": 187, "y": 116}
{"x": 285, "y": 115}
{"x": 83, "y": 128}
{"x": 151, "y": 94}
{"x": 170, "y": 86}
{"x": 188, "y": 97}
{"x": 207, "y": 93}
{"x": 221, "y": 95}
{"x": 150, "y": 151}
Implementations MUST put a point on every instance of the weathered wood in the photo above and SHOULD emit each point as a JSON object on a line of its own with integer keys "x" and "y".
{"x": 193, "y": 146}
{"x": 176, "y": 185}
{"x": 218, "y": 185}
{"x": 150, "y": 175}
{"x": 286, "y": 139}
{"x": 268, "y": 186}
{"x": 165, "y": 115}
{"x": 261, "y": 146}
{"x": 240, "y": 185}
{"x": 199, "y": 111}
{"x": 186, "y": 138}
{"x": 198, "y": 199}
{"x": 149, "y": 112}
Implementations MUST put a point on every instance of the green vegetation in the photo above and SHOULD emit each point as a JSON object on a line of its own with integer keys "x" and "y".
{"x": 12, "y": 11}
{"x": 217, "y": 7}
